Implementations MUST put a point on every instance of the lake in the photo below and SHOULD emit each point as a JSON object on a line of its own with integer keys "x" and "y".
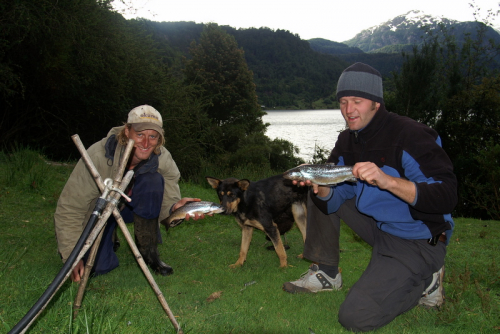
{"x": 305, "y": 128}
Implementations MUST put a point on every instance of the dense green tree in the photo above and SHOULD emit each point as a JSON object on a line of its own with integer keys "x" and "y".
{"x": 470, "y": 123}
{"x": 74, "y": 67}
{"x": 77, "y": 67}
{"x": 452, "y": 88}
{"x": 218, "y": 66}
{"x": 282, "y": 155}
{"x": 417, "y": 89}
{"x": 287, "y": 72}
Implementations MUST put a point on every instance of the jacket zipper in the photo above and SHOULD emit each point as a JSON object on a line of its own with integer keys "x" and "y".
{"x": 359, "y": 140}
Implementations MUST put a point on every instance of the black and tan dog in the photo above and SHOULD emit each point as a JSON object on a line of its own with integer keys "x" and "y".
{"x": 271, "y": 205}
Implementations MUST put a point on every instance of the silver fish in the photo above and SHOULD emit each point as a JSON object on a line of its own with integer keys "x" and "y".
{"x": 326, "y": 174}
{"x": 191, "y": 208}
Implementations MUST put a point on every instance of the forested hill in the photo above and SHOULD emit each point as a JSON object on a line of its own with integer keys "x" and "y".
{"x": 293, "y": 73}
{"x": 333, "y": 48}
{"x": 385, "y": 62}
{"x": 381, "y": 45}
{"x": 287, "y": 72}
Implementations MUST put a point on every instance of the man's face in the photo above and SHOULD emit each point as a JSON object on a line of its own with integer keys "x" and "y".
{"x": 357, "y": 111}
{"x": 145, "y": 143}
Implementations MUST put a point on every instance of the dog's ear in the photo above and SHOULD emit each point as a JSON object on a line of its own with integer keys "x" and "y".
{"x": 243, "y": 184}
{"x": 213, "y": 181}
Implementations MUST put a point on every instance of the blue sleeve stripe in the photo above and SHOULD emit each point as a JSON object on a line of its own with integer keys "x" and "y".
{"x": 413, "y": 171}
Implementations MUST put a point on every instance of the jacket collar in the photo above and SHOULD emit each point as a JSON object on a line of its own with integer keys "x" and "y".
{"x": 151, "y": 165}
{"x": 373, "y": 127}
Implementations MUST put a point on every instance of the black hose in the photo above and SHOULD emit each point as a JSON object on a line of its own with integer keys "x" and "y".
{"x": 101, "y": 203}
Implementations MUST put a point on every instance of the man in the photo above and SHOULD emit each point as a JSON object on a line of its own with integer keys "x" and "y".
{"x": 154, "y": 192}
{"x": 400, "y": 206}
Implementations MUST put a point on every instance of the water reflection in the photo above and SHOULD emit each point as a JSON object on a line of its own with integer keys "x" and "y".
{"x": 305, "y": 128}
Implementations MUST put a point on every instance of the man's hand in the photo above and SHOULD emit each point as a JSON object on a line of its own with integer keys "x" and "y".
{"x": 77, "y": 273}
{"x": 372, "y": 174}
{"x": 321, "y": 191}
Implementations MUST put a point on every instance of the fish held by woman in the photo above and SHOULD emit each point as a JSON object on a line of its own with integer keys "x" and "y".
{"x": 322, "y": 174}
{"x": 191, "y": 209}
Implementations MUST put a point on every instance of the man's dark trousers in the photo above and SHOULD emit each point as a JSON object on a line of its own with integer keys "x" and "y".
{"x": 393, "y": 281}
{"x": 147, "y": 196}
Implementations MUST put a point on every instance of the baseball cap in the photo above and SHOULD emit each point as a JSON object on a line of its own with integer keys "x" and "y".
{"x": 145, "y": 118}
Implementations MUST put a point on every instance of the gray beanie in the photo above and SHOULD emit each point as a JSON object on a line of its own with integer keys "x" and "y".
{"x": 361, "y": 80}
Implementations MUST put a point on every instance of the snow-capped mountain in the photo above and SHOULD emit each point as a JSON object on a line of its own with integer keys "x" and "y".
{"x": 404, "y": 30}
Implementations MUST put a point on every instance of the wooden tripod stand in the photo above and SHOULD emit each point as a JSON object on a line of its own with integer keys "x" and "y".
{"x": 126, "y": 233}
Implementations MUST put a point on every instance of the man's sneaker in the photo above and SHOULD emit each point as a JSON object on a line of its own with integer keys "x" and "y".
{"x": 433, "y": 296}
{"x": 314, "y": 280}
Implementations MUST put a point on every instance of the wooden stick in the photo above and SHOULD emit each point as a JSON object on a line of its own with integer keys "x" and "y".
{"x": 86, "y": 273}
{"x": 128, "y": 237}
{"x": 97, "y": 177}
{"x": 88, "y": 243}
{"x": 147, "y": 273}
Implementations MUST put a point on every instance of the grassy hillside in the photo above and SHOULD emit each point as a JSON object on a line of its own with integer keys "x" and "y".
{"x": 250, "y": 298}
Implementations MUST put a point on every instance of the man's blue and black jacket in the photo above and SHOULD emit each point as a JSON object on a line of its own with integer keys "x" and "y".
{"x": 404, "y": 148}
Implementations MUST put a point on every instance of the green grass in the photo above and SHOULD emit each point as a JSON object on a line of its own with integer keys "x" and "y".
{"x": 200, "y": 253}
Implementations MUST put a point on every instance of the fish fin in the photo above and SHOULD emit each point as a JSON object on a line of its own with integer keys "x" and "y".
{"x": 175, "y": 222}
{"x": 165, "y": 223}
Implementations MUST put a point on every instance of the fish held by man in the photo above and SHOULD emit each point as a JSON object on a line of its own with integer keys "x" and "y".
{"x": 322, "y": 174}
{"x": 191, "y": 209}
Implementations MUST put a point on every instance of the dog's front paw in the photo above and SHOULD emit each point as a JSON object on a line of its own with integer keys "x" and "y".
{"x": 300, "y": 256}
{"x": 235, "y": 265}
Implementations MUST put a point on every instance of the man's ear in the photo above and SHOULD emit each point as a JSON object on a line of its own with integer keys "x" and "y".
{"x": 127, "y": 131}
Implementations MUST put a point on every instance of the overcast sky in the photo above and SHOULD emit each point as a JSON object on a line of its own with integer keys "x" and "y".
{"x": 334, "y": 20}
